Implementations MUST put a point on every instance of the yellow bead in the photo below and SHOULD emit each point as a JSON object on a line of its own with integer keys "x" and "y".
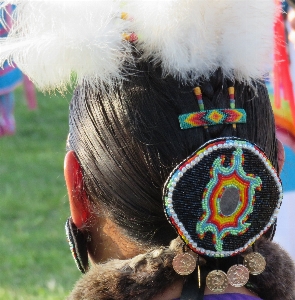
{"x": 231, "y": 90}
{"x": 124, "y": 15}
{"x": 126, "y": 36}
{"x": 197, "y": 91}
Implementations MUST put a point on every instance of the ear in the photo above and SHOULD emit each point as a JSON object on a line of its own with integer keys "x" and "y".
{"x": 281, "y": 155}
{"x": 79, "y": 203}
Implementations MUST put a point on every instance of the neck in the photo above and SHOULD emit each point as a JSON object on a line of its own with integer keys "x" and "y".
{"x": 108, "y": 242}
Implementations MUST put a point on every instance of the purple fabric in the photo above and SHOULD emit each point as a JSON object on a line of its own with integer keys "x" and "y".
{"x": 228, "y": 297}
{"x": 7, "y": 122}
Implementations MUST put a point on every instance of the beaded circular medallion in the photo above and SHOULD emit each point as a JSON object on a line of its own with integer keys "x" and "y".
{"x": 223, "y": 197}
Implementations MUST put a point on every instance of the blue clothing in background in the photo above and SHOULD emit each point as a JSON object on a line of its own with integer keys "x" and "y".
{"x": 285, "y": 5}
{"x": 285, "y": 228}
{"x": 288, "y": 172}
{"x": 10, "y": 76}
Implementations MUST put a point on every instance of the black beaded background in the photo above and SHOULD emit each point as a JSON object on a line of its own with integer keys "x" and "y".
{"x": 187, "y": 198}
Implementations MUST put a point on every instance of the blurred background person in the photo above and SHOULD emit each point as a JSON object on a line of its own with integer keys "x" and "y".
{"x": 10, "y": 78}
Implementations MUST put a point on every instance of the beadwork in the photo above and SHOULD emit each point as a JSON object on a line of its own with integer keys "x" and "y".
{"x": 189, "y": 197}
{"x": 199, "y": 96}
{"x": 130, "y": 37}
{"x": 221, "y": 179}
{"x": 212, "y": 117}
{"x": 231, "y": 92}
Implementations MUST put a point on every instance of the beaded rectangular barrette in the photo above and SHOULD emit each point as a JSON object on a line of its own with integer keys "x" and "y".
{"x": 212, "y": 117}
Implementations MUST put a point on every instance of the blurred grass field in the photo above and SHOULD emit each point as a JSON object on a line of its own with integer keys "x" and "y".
{"x": 35, "y": 262}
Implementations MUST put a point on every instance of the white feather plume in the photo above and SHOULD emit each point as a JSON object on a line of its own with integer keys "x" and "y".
{"x": 190, "y": 38}
{"x": 50, "y": 40}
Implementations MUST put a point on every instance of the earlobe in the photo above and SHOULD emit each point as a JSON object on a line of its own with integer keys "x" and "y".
{"x": 79, "y": 203}
{"x": 281, "y": 155}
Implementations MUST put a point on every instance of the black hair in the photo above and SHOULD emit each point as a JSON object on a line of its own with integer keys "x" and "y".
{"x": 128, "y": 140}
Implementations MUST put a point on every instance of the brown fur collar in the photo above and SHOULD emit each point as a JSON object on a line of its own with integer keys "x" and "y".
{"x": 147, "y": 275}
{"x": 277, "y": 282}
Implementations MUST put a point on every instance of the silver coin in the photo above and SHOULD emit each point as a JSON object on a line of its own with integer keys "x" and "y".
{"x": 238, "y": 275}
{"x": 184, "y": 264}
{"x": 216, "y": 281}
{"x": 255, "y": 263}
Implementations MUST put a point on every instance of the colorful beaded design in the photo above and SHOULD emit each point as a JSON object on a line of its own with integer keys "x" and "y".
{"x": 212, "y": 117}
{"x": 223, "y": 211}
{"x": 199, "y": 96}
{"x": 207, "y": 118}
{"x": 129, "y": 37}
{"x": 231, "y": 92}
{"x": 223, "y": 179}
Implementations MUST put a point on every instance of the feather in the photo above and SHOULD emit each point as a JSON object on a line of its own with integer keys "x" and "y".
{"x": 193, "y": 38}
{"x": 52, "y": 40}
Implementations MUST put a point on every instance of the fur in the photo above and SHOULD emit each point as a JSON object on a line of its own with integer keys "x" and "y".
{"x": 277, "y": 282}
{"x": 139, "y": 278}
{"x": 188, "y": 38}
{"x": 146, "y": 275}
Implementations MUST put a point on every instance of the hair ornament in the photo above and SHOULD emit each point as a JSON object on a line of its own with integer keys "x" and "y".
{"x": 224, "y": 211}
{"x": 212, "y": 117}
{"x": 184, "y": 263}
{"x": 130, "y": 37}
{"x": 238, "y": 275}
{"x": 255, "y": 263}
{"x": 231, "y": 92}
{"x": 217, "y": 281}
{"x": 54, "y": 42}
{"x": 199, "y": 96}
{"x": 59, "y": 42}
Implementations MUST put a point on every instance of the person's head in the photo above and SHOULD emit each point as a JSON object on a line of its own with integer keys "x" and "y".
{"x": 137, "y": 64}
{"x": 128, "y": 140}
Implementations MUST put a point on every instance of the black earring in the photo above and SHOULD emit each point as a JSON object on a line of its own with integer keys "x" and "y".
{"x": 78, "y": 245}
